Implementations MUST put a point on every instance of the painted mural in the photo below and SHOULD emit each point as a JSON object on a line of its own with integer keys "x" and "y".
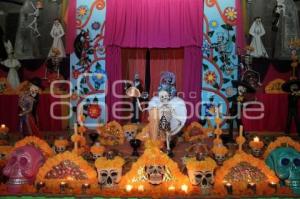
{"x": 220, "y": 61}
{"x": 88, "y": 75}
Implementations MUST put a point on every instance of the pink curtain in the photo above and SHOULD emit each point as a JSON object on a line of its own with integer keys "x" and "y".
{"x": 156, "y": 24}
{"x": 71, "y": 26}
{"x": 240, "y": 40}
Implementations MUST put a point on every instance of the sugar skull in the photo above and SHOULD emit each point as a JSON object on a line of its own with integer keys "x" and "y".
{"x": 109, "y": 171}
{"x": 109, "y": 177}
{"x": 60, "y": 145}
{"x": 155, "y": 174}
{"x": 220, "y": 158}
{"x": 130, "y": 131}
{"x": 204, "y": 179}
{"x": 164, "y": 96}
{"x": 285, "y": 161}
{"x": 22, "y": 167}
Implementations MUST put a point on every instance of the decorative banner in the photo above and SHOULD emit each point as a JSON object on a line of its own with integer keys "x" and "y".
{"x": 88, "y": 75}
{"x": 220, "y": 62}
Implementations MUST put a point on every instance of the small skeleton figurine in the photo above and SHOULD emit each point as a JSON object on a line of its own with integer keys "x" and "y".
{"x": 13, "y": 64}
{"x": 28, "y": 102}
{"x": 243, "y": 88}
{"x": 279, "y": 8}
{"x": 36, "y": 13}
{"x": 292, "y": 87}
{"x": 137, "y": 83}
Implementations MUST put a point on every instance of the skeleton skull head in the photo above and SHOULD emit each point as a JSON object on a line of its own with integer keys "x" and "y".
{"x": 204, "y": 179}
{"x": 60, "y": 149}
{"x": 22, "y": 167}
{"x": 285, "y": 161}
{"x": 34, "y": 90}
{"x": 109, "y": 177}
{"x": 130, "y": 131}
{"x": 220, "y": 158}
{"x": 242, "y": 90}
{"x": 164, "y": 96}
{"x": 155, "y": 174}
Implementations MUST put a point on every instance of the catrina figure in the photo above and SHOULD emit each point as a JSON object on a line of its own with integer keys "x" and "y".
{"x": 292, "y": 87}
{"x": 28, "y": 103}
{"x": 243, "y": 88}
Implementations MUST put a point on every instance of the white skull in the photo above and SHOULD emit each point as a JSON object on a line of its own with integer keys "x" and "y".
{"x": 130, "y": 135}
{"x": 204, "y": 179}
{"x": 164, "y": 96}
{"x": 96, "y": 155}
{"x": 241, "y": 90}
{"x": 60, "y": 149}
{"x": 220, "y": 158}
{"x": 34, "y": 90}
{"x": 155, "y": 174}
{"x": 109, "y": 177}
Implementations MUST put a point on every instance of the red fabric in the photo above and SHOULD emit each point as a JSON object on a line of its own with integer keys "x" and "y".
{"x": 71, "y": 26}
{"x": 166, "y": 60}
{"x": 10, "y": 110}
{"x": 34, "y": 128}
{"x": 114, "y": 71}
{"x": 154, "y": 23}
{"x": 240, "y": 39}
{"x": 275, "y": 114}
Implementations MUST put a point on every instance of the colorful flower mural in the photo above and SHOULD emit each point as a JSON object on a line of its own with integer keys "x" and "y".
{"x": 220, "y": 62}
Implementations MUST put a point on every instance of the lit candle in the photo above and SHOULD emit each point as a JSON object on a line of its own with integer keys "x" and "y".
{"x": 252, "y": 186}
{"x": 228, "y": 188}
{"x": 63, "y": 186}
{"x": 256, "y": 144}
{"x": 128, "y": 188}
{"x": 184, "y": 188}
{"x": 171, "y": 188}
{"x": 85, "y": 187}
{"x": 273, "y": 185}
{"x": 141, "y": 188}
{"x": 39, "y": 186}
{"x": 3, "y": 126}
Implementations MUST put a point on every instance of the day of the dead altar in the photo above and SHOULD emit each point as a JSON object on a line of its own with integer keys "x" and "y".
{"x": 149, "y": 99}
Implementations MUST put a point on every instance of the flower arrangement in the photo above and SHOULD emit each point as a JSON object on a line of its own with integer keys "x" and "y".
{"x": 219, "y": 150}
{"x": 90, "y": 175}
{"x": 38, "y": 143}
{"x": 104, "y": 163}
{"x": 200, "y": 134}
{"x": 111, "y": 134}
{"x": 240, "y": 186}
{"x": 137, "y": 176}
{"x": 61, "y": 143}
{"x": 97, "y": 149}
{"x": 207, "y": 164}
{"x": 281, "y": 141}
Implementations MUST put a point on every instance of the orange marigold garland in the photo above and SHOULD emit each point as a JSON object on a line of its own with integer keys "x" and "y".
{"x": 38, "y": 143}
{"x": 282, "y": 141}
{"x": 52, "y": 163}
{"x": 241, "y": 187}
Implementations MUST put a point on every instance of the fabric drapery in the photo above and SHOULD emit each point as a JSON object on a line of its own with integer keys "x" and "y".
{"x": 240, "y": 40}
{"x": 70, "y": 21}
{"x": 154, "y": 23}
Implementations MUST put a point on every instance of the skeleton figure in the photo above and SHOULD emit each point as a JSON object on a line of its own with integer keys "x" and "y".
{"x": 109, "y": 177}
{"x": 155, "y": 174}
{"x": 33, "y": 25}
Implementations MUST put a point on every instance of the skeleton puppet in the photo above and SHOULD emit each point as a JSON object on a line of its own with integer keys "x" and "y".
{"x": 36, "y": 13}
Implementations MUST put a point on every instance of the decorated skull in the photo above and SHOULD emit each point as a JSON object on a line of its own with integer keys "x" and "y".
{"x": 285, "y": 161}
{"x": 164, "y": 96}
{"x": 22, "y": 167}
{"x": 130, "y": 131}
{"x": 109, "y": 177}
{"x": 109, "y": 171}
{"x": 60, "y": 145}
{"x": 242, "y": 90}
{"x": 204, "y": 179}
{"x": 155, "y": 173}
{"x": 220, "y": 158}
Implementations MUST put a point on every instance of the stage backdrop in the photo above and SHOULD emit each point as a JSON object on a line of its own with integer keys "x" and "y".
{"x": 88, "y": 74}
{"x": 219, "y": 54}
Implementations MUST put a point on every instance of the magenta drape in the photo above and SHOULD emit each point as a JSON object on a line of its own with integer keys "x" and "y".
{"x": 156, "y": 24}
{"x": 71, "y": 26}
{"x": 114, "y": 73}
{"x": 240, "y": 39}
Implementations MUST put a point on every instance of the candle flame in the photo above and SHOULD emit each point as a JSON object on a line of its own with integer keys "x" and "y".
{"x": 256, "y": 139}
{"x": 128, "y": 187}
{"x": 184, "y": 188}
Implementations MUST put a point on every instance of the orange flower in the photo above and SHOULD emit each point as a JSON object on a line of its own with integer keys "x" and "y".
{"x": 279, "y": 142}
{"x": 38, "y": 143}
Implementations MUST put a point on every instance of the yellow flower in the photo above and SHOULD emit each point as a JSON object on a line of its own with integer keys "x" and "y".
{"x": 206, "y": 165}
{"x": 104, "y": 163}
{"x": 231, "y": 13}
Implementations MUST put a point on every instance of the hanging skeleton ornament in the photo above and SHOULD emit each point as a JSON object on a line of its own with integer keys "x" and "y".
{"x": 34, "y": 25}
{"x": 155, "y": 174}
